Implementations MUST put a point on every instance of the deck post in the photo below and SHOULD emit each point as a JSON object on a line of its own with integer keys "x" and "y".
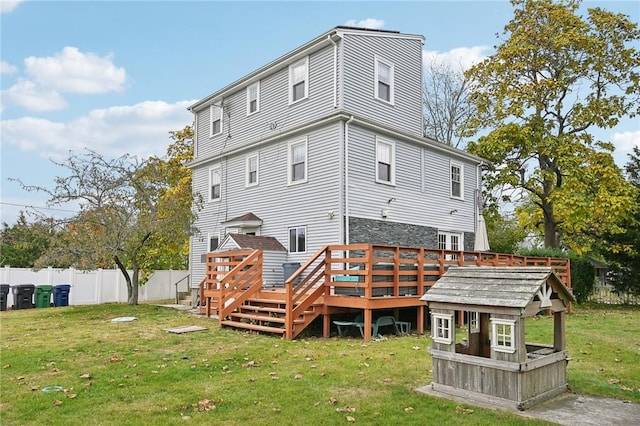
{"x": 367, "y": 324}
{"x": 326, "y": 325}
{"x": 420, "y": 319}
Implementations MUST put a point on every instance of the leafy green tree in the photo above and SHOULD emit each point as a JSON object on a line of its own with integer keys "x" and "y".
{"x": 622, "y": 250}
{"x": 504, "y": 232}
{"x": 23, "y": 243}
{"x": 134, "y": 213}
{"x": 556, "y": 76}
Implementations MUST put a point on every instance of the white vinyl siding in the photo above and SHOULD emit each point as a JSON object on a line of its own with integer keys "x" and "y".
{"x": 441, "y": 326}
{"x": 457, "y": 181}
{"x": 298, "y": 239}
{"x": 216, "y": 120}
{"x": 299, "y": 80}
{"x": 215, "y": 183}
{"x": 253, "y": 98}
{"x": 252, "y": 170}
{"x": 297, "y": 162}
{"x": 385, "y": 162}
{"x": 384, "y": 85}
{"x": 502, "y": 335}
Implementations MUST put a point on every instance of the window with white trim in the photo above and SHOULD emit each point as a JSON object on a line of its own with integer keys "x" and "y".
{"x": 502, "y": 335}
{"x": 441, "y": 328}
{"x": 252, "y": 170}
{"x": 299, "y": 80}
{"x": 253, "y": 98}
{"x": 384, "y": 71}
{"x": 215, "y": 183}
{"x": 385, "y": 162}
{"x": 297, "y": 162}
{"x": 474, "y": 322}
{"x": 450, "y": 241}
{"x": 457, "y": 188}
{"x": 298, "y": 239}
{"x": 216, "y": 120}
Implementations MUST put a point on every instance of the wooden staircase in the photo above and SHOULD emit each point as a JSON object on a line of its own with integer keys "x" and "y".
{"x": 232, "y": 290}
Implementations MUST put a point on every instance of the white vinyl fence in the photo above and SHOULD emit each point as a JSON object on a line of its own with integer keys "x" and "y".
{"x": 95, "y": 287}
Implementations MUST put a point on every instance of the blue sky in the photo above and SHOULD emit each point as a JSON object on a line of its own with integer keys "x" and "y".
{"x": 117, "y": 76}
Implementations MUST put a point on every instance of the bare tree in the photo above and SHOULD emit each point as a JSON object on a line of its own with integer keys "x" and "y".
{"x": 446, "y": 103}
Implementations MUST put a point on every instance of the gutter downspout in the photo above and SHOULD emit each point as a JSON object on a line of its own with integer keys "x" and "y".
{"x": 335, "y": 71}
{"x": 346, "y": 180}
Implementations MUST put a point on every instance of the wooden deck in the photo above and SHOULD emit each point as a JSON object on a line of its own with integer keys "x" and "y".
{"x": 338, "y": 279}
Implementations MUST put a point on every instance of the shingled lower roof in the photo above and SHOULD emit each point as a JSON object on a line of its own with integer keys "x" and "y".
{"x": 255, "y": 242}
{"x": 513, "y": 287}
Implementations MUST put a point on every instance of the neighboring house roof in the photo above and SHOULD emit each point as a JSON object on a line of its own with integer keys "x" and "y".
{"x": 511, "y": 287}
{"x": 289, "y": 58}
{"x": 254, "y": 242}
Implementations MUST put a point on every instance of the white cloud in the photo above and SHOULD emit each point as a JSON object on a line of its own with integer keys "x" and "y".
{"x": 7, "y": 6}
{"x": 626, "y": 141}
{"x": 7, "y": 68}
{"x": 141, "y": 129}
{"x": 463, "y": 57}
{"x": 28, "y": 95}
{"x": 77, "y": 72}
{"x": 371, "y": 23}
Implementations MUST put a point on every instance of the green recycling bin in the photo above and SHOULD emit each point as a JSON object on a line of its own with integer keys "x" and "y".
{"x": 43, "y": 296}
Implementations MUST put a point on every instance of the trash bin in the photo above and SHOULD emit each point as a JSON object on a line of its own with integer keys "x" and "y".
{"x": 4, "y": 291}
{"x": 23, "y": 296}
{"x": 43, "y": 296}
{"x": 61, "y": 295}
{"x": 289, "y": 269}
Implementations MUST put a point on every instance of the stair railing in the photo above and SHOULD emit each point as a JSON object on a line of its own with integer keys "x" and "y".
{"x": 242, "y": 282}
{"x": 186, "y": 277}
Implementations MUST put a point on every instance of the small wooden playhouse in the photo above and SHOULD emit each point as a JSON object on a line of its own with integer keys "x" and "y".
{"x": 493, "y": 363}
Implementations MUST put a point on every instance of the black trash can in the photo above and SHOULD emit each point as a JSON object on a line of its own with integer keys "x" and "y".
{"x": 289, "y": 269}
{"x": 4, "y": 291}
{"x": 23, "y": 296}
{"x": 61, "y": 295}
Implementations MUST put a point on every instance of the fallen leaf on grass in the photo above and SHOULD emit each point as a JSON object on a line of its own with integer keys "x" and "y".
{"x": 35, "y": 388}
{"x": 350, "y": 419}
{"x": 86, "y": 376}
{"x": 346, "y": 409}
{"x": 297, "y": 376}
{"x": 387, "y": 380}
{"x": 625, "y": 388}
{"x": 416, "y": 348}
{"x": 72, "y": 395}
{"x": 275, "y": 409}
{"x": 206, "y": 405}
{"x": 613, "y": 381}
{"x": 57, "y": 403}
{"x": 20, "y": 378}
{"x": 461, "y": 410}
{"x": 250, "y": 364}
{"x": 617, "y": 360}
{"x": 6, "y": 366}
{"x": 408, "y": 410}
{"x": 333, "y": 400}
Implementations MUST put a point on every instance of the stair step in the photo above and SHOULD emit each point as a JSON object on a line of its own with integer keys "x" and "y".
{"x": 268, "y": 301}
{"x": 257, "y": 317}
{"x": 264, "y": 309}
{"x": 249, "y": 326}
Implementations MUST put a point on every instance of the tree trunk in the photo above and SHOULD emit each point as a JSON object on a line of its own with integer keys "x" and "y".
{"x": 131, "y": 287}
{"x": 133, "y": 294}
{"x": 550, "y": 227}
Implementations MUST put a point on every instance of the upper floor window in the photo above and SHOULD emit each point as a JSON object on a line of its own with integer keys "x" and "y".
{"x": 216, "y": 120}
{"x": 215, "y": 183}
{"x": 252, "y": 170}
{"x": 502, "y": 335}
{"x": 299, "y": 80}
{"x": 384, "y": 80}
{"x": 456, "y": 181}
{"x": 297, "y": 159}
{"x": 298, "y": 239}
{"x": 385, "y": 162}
{"x": 253, "y": 98}
{"x": 441, "y": 326}
{"x": 213, "y": 242}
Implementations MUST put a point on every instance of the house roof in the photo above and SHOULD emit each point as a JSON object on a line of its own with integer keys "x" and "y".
{"x": 292, "y": 56}
{"x": 245, "y": 220}
{"x": 512, "y": 287}
{"x": 255, "y": 242}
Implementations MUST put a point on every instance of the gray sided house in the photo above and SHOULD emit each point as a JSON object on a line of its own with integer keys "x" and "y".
{"x": 324, "y": 145}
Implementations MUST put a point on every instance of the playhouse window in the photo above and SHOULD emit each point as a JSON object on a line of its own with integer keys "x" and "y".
{"x": 441, "y": 328}
{"x": 502, "y": 335}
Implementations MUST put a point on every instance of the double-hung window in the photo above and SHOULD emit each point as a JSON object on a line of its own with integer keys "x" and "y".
{"x": 456, "y": 180}
{"x": 297, "y": 159}
{"x": 502, "y": 335}
{"x": 298, "y": 239}
{"x": 385, "y": 162}
{"x": 441, "y": 328}
{"x": 216, "y": 120}
{"x": 299, "y": 80}
{"x": 215, "y": 183}
{"x": 252, "y": 170}
{"x": 213, "y": 242}
{"x": 253, "y": 98}
{"x": 384, "y": 80}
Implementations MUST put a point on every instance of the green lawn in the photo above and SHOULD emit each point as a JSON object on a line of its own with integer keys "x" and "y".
{"x": 135, "y": 373}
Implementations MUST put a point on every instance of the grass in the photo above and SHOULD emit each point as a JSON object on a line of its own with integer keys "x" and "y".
{"x": 136, "y": 373}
